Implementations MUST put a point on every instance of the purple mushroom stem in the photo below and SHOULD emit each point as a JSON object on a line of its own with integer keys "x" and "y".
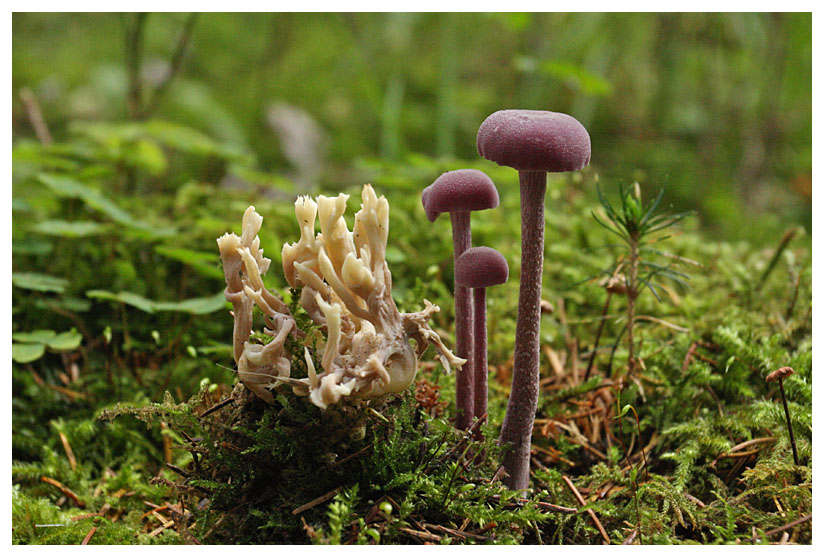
{"x": 462, "y": 241}
{"x": 479, "y": 268}
{"x": 534, "y": 143}
{"x": 480, "y": 355}
{"x": 458, "y": 193}
{"x": 517, "y": 427}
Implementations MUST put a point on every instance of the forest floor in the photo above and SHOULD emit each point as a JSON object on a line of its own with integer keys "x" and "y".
{"x": 129, "y": 425}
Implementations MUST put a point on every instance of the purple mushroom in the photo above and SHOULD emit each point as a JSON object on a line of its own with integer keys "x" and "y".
{"x": 534, "y": 143}
{"x": 458, "y": 193}
{"x": 477, "y": 269}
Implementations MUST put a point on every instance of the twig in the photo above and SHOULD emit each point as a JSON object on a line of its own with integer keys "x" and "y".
{"x": 554, "y": 456}
{"x": 785, "y": 527}
{"x": 521, "y": 502}
{"x": 86, "y": 516}
{"x": 420, "y": 534}
{"x": 66, "y": 492}
{"x": 598, "y": 336}
{"x": 216, "y": 407}
{"x": 358, "y": 453}
{"x": 555, "y": 508}
{"x": 164, "y": 525}
{"x": 795, "y": 277}
{"x": 581, "y": 502}
{"x": 167, "y": 442}
{"x": 134, "y": 54}
{"x": 70, "y": 393}
{"x": 32, "y": 108}
{"x": 695, "y": 500}
{"x": 68, "y": 449}
{"x": 455, "y": 532}
{"x": 88, "y": 536}
{"x": 743, "y": 445}
{"x": 631, "y": 538}
{"x": 177, "y": 470}
{"x": 175, "y": 64}
{"x": 783, "y": 243}
{"x": 709, "y": 360}
{"x": 316, "y": 501}
{"x": 665, "y": 323}
{"x": 587, "y": 447}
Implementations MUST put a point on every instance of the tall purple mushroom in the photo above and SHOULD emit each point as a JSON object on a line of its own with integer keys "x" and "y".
{"x": 458, "y": 193}
{"x": 534, "y": 143}
{"x": 477, "y": 269}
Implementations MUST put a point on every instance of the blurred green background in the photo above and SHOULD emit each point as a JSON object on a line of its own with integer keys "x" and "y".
{"x": 715, "y": 108}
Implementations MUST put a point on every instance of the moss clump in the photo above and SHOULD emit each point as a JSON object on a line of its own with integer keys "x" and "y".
{"x": 368, "y": 472}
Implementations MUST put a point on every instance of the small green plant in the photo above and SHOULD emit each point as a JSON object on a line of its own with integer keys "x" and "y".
{"x": 633, "y": 470}
{"x": 637, "y": 223}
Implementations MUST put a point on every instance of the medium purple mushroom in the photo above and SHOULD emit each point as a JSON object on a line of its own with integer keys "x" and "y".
{"x": 477, "y": 269}
{"x": 534, "y": 143}
{"x": 458, "y": 193}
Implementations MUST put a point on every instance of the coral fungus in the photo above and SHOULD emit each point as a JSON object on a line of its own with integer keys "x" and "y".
{"x": 345, "y": 288}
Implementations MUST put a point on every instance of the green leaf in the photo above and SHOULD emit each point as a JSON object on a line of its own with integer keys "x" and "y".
{"x": 38, "y": 336}
{"x": 651, "y": 209}
{"x": 39, "y": 282}
{"x": 71, "y": 303}
{"x": 71, "y": 229}
{"x": 203, "y": 305}
{"x": 223, "y": 349}
{"x": 576, "y": 76}
{"x": 66, "y": 341}
{"x": 27, "y": 352}
{"x": 31, "y": 247}
{"x": 625, "y": 410}
{"x": 130, "y": 299}
{"x": 147, "y": 155}
{"x": 205, "y": 263}
{"x": 189, "y": 140}
{"x": 70, "y": 188}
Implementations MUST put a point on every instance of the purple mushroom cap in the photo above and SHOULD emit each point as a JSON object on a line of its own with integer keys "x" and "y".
{"x": 481, "y": 267}
{"x": 534, "y": 140}
{"x": 459, "y": 190}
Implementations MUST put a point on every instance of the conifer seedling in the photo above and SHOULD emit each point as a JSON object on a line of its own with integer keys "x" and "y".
{"x": 635, "y": 223}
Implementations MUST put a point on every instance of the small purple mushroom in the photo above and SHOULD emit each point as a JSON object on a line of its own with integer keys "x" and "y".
{"x": 477, "y": 269}
{"x": 458, "y": 193}
{"x": 534, "y": 143}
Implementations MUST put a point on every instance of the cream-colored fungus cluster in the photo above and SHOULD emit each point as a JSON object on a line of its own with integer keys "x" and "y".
{"x": 345, "y": 288}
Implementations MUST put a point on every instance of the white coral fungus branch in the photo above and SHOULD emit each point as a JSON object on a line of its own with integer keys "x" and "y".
{"x": 346, "y": 289}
